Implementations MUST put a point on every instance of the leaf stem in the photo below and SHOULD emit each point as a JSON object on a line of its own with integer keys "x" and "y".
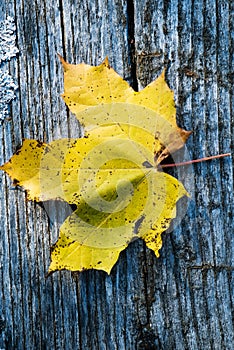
{"x": 196, "y": 160}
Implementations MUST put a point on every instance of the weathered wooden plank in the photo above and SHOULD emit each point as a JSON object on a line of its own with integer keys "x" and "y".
{"x": 184, "y": 300}
{"x": 195, "y": 39}
{"x": 50, "y": 309}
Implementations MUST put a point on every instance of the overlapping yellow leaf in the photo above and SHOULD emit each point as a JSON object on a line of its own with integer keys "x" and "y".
{"x": 92, "y": 238}
{"x": 86, "y": 86}
{"x": 153, "y": 108}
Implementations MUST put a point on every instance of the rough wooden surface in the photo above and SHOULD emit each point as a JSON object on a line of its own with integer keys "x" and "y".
{"x": 183, "y": 300}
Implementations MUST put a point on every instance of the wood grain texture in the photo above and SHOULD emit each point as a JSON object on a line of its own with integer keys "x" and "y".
{"x": 183, "y": 300}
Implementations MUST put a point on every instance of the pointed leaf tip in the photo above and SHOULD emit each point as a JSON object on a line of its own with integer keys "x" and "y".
{"x": 185, "y": 134}
{"x": 64, "y": 63}
{"x": 106, "y": 62}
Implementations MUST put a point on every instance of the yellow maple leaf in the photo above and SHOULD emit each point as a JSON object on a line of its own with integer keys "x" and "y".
{"x": 112, "y": 173}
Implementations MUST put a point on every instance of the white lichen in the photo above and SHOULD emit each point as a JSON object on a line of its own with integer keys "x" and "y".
{"x": 7, "y": 93}
{"x": 7, "y": 51}
{"x": 7, "y": 40}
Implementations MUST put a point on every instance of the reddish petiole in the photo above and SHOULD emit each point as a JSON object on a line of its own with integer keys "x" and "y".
{"x": 195, "y": 161}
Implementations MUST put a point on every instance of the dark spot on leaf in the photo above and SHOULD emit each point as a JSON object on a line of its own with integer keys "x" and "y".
{"x": 138, "y": 224}
{"x": 147, "y": 164}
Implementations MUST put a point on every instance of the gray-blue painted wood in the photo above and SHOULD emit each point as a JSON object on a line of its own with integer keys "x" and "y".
{"x": 183, "y": 300}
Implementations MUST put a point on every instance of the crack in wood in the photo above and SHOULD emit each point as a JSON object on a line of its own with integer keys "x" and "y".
{"x": 211, "y": 267}
{"x": 62, "y": 29}
{"x": 131, "y": 43}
